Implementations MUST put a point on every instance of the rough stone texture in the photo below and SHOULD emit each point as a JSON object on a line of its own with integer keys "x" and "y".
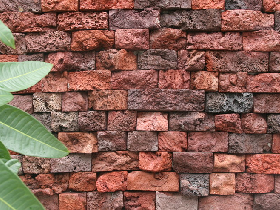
{"x": 166, "y": 100}
{"x": 233, "y": 82}
{"x": 276, "y": 143}
{"x": 152, "y": 121}
{"x": 89, "y": 80}
{"x": 122, "y": 120}
{"x": 82, "y": 181}
{"x": 246, "y": 20}
{"x": 20, "y": 5}
{"x": 277, "y": 21}
{"x": 55, "y": 82}
{"x": 23, "y": 102}
{"x": 208, "y": 142}
{"x": 172, "y": 141}
{"x": 191, "y": 60}
{"x": 127, "y": 19}
{"x": 140, "y": 200}
{"x": 72, "y": 163}
{"x": 48, "y": 41}
{"x": 191, "y": 121}
{"x": 240, "y": 61}
{"x": 200, "y": 20}
{"x": 92, "y": 121}
{"x": 204, "y": 80}
{"x": 222, "y": 183}
{"x": 111, "y": 140}
{"x": 244, "y": 4}
{"x": 72, "y": 201}
{"x": 271, "y": 5}
{"x": 112, "y": 181}
{"x": 157, "y": 59}
{"x": 254, "y": 183}
{"x": 49, "y": 202}
{"x": 20, "y": 42}
{"x": 36, "y": 165}
{"x": 228, "y": 123}
{"x": 208, "y": 4}
{"x": 72, "y": 21}
{"x": 132, "y": 39}
{"x": 266, "y": 82}
{"x": 273, "y": 123}
{"x": 193, "y": 162}
{"x": 164, "y": 4}
{"x": 267, "y": 103}
{"x": 269, "y": 201}
{"x": 194, "y": 184}
{"x": 229, "y": 163}
{"x": 155, "y": 162}
{"x": 110, "y": 161}
{"x": 61, "y": 121}
{"x": 59, "y": 5}
{"x": 165, "y": 201}
{"x": 274, "y": 61}
{"x": 74, "y": 101}
{"x": 97, "y": 200}
{"x": 92, "y": 40}
{"x": 144, "y": 181}
{"x": 168, "y": 38}
{"x": 277, "y": 184}
{"x": 137, "y": 79}
{"x": 9, "y": 58}
{"x": 105, "y": 4}
{"x": 215, "y": 41}
{"x": 47, "y": 102}
{"x": 142, "y": 141}
{"x": 229, "y": 102}
{"x": 107, "y": 99}
{"x": 44, "y": 118}
{"x": 263, "y": 163}
{"x": 174, "y": 79}
{"x": 253, "y": 123}
{"x": 31, "y": 57}
{"x": 79, "y": 142}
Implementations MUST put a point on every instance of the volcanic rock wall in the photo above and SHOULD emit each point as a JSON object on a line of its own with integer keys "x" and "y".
{"x": 164, "y": 104}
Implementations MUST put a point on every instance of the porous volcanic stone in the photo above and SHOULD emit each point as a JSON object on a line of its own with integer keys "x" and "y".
{"x": 266, "y": 82}
{"x": 172, "y": 141}
{"x": 31, "y": 57}
{"x": 277, "y": 184}
{"x": 74, "y": 101}
{"x": 194, "y": 184}
{"x": 254, "y": 123}
{"x": 228, "y": 123}
{"x": 267, "y": 103}
{"x": 59, "y": 6}
{"x": 141, "y": 200}
{"x": 23, "y": 102}
{"x": 44, "y": 118}
{"x": 204, "y": 80}
{"x": 163, "y": 4}
{"x": 105, "y": 4}
{"x": 244, "y": 4}
{"x": 97, "y": 200}
{"x": 229, "y": 163}
{"x": 276, "y": 143}
{"x": 111, "y": 140}
{"x": 122, "y": 120}
{"x": 208, "y": 4}
{"x": 233, "y": 82}
{"x": 49, "y": 201}
{"x": 9, "y": 58}
{"x": 191, "y": 60}
{"x": 92, "y": 120}
{"x": 64, "y": 121}
{"x": 20, "y": 5}
{"x": 277, "y": 21}
{"x": 222, "y": 183}
{"x": 152, "y": 121}
{"x": 55, "y": 82}
{"x": 263, "y": 163}
{"x": 82, "y": 181}
{"x": 20, "y": 43}
{"x": 47, "y": 102}
{"x": 174, "y": 79}
{"x": 72, "y": 201}
{"x": 270, "y": 6}
{"x": 36, "y": 165}
{"x": 142, "y": 141}
{"x": 274, "y": 59}
{"x": 132, "y": 39}
{"x": 155, "y": 162}
{"x": 269, "y": 201}
{"x": 112, "y": 181}
{"x": 273, "y": 123}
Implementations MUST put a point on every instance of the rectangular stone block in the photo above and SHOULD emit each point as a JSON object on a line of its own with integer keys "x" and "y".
{"x": 122, "y": 120}
{"x": 47, "y": 102}
{"x": 276, "y": 143}
{"x": 174, "y": 79}
{"x": 61, "y": 121}
{"x": 228, "y": 123}
{"x": 208, "y": 4}
{"x": 191, "y": 60}
{"x": 172, "y": 141}
{"x": 194, "y": 185}
{"x": 112, "y": 181}
{"x": 267, "y": 103}
{"x": 144, "y": 200}
{"x": 277, "y": 21}
{"x": 36, "y": 165}
{"x": 97, "y": 5}
{"x": 9, "y": 58}
{"x": 152, "y": 121}
{"x": 273, "y": 123}
{"x": 20, "y": 5}
{"x": 20, "y": 44}
{"x": 74, "y": 101}
{"x": 59, "y": 5}
{"x": 229, "y": 163}
{"x": 166, "y": 100}
{"x": 50, "y": 202}
{"x": 155, "y": 161}
{"x": 270, "y": 6}
{"x": 222, "y": 183}
{"x": 266, "y": 201}
{"x": 244, "y": 4}
{"x": 266, "y": 82}
{"x": 82, "y": 181}
{"x": 44, "y": 118}
{"x": 71, "y": 201}
{"x": 254, "y": 123}
{"x": 23, "y": 102}
{"x": 55, "y": 82}
{"x": 204, "y": 80}
{"x": 263, "y": 163}
{"x": 111, "y": 140}
{"x": 274, "y": 61}
{"x": 233, "y": 82}
{"x": 92, "y": 121}
{"x": 98, "y": 200}
{"x": 31, "y": 57}
{"x": 163, "y": 4}
{"x": 142, "y": 141}
{"x": 132, "y": 39}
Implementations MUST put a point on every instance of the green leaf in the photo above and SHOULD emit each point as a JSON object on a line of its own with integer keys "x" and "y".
{"x": 21, "y": 75}
{"x": 14, "y": 195}
{"x": 13, "y": 165}
{"x": 24, "y": 134}
{"x": 4, "y": 153}
{"x": 5, "y": 97}
{"x": 6, "y": 36}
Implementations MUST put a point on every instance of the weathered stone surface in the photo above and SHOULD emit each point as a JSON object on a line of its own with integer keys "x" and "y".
{"x": 208, "y": 4}
{"x": 36, "y": 165}
{"x": 276, "y": 143}
{"x": 97, "y": 200}
{"x": 20, "y": 5}
{"x": 92, "y": 121}
{"x": 47, "y": 102}
{"x": 23, "y": 102}
{"x": 191, "y": 60}
{"x": 79, "y": 142}
{"x": 132, "y": 39}
{"x": 263, "y": 163}
{"x": 254, "y": 123}
{"x": 204, "y": 80}
{"x": 193, "y": 162}
{"x": 271, "y": 5}
{"x": 273, "y": 123}
{"x": 122, "y": 120}
{"x": 229, "y": 102}
{"x": 144, "y": 181}
{"x": 254, "y": 183}
{"x": 142, "y": 141}
{"x": 155, "y": 162}
{"x": 152, "y": 121}
{"x": 31, "y": 57}
{"x": 9, "y": 58}
{"x": 233, "y": 82}
{"x": 239, "y": 61}
{"x": 168, "y": 38}
{"x": 20, "y": 44}
{"x": 267, "y": 201}
{"x": 137, "y": 79}
{"x": 55, "y": 82}
{"x": 199, "y": 20}
{"x": 222, "y": 183}
{"x": 266, "y": 82}
{"x": 163, "y": 4}
{"x": 194, "y": 184}
{"x": 157, "y": 59}
{"x": 111, "y": 140}
{"x": 208, "y": 142}
{"x": 72, "y": 201}
{"x": 61, "y": 121}
{"x": 89, "y": 80}
{"x": 74, "y": 101}
{"x": 244, "y": 4}
{"x": 48, "y": 41}
{"x": 191, "y": 121}
{"x": 87, "y": 40}
{"x": 277, "y": 21}
{"x": 49, "y": 202}
{"x": 72, "y": 163}
{"x": 71, "y": 21}
{"x": 112, "y": 181}
{"x": 215, "y": 41}
{"x": 274, "y": 61}
{"x": 166, "y": 100}
{"x": 44, "y": 118}
{"x": 277, "y": 184}
{"x": 105, "y": 4}
{"x": 172, "y": 141}
{"x": 82, "y": 181}
{"x": 59, "y": 6}
{"x": 126, "y": 19}
{"x": 267, "y": 103}
{"x": 141, "y": 200}
{"x": 174, "y": 79}
{"x": 110, "y": 161}
{"x": 228, "y": 123}
{"x": 229, "y": 163}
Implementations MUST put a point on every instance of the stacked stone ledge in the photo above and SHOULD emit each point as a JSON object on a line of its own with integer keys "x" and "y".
{"x": 163, "y": 104}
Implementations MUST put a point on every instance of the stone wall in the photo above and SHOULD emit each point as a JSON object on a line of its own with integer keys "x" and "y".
{"x": 164, "y": 104}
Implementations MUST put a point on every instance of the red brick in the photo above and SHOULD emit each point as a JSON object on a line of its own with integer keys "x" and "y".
{"x": 266, "y": 82}
{"x": 155, "y": 162}
{"x": 144, "y": 181}
{"x": 267, "y": 103}
{"x": 254, "y": 183}
{"x": 122, "y": 120}
{"x": 92, "y": 40}
{"x": 132, "y": 39}
{"x": 72, "y": 201}
{"x": 59, "y": 5}
{"x": 208, "y": 142}
{"x": 208, "y": 4}
{"x": 233, "y": 82}
{"x": 215, "y": 41}
{"x": 55, "y": 82}
{"x": 253, "y": 123}
{"x": 246, "y": 20}
{"x": 89, "y": 80}
{"x": 172, "y": 141}
{"x": 191, "y": 60}
{"x": 140, "y": 200}
{"x": 222, "y": 183}
{"x": 271, "y": 5}
{"x": 263, "y": 163}
{"x": 8, "y": 58}
{"x": 74, "y": 101}
{"x": 229, "y": 163}
{"x": 112, "y": 181}
{"x": 204, "y": 80}
{"x": 152, "y": 121}
{"x": 228, "y": 123}
{"x": 79, "y": 142}
{"x": 174, "y": 79}
{"x": 276, "y": 143}
{"x": 82, "y": 181}
{"x": 168, "y": 38}
{"x": 106, "y": 4}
